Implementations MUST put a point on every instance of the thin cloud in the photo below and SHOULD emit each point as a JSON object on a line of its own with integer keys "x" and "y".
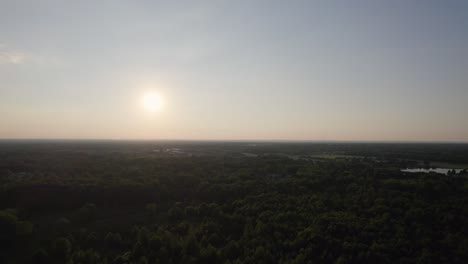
{"x": 11, "y": 57}
{"x": 15, "y": 57}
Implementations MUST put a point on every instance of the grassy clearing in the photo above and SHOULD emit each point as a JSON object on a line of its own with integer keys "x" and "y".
{"x": 334, "y": 156}
{"x": 449, "y": 165}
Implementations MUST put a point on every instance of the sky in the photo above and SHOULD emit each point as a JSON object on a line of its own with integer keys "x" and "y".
{"x": 393, "y": 70}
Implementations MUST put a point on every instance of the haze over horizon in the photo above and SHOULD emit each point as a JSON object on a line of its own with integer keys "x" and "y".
{"x": 234, "y": 70}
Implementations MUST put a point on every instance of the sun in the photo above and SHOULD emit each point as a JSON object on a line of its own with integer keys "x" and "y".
{"x": 152, "y": 102}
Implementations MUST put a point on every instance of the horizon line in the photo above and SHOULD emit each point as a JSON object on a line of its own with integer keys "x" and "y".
{"x": 242, "y": 140}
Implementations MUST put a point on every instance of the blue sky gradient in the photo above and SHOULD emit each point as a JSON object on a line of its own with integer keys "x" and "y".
{"x": 286, "y": 70}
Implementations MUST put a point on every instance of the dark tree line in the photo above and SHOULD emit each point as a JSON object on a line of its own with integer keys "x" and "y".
{"x": 129, "y": 207}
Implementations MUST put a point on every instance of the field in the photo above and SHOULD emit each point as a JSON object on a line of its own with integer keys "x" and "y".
{"x": 449, "y": 165}
{"x": 230, "y": 202}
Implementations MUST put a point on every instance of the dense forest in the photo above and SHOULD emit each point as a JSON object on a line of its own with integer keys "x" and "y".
{"x": 236, "y": 202}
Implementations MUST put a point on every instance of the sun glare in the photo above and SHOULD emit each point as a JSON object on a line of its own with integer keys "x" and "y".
{"x": 152, "y": 102}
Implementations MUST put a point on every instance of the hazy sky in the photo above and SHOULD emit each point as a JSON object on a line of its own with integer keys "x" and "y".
{"x": 298, "y": 70}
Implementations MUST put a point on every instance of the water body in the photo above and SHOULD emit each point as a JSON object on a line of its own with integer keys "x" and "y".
{"x": 436, "y": 170}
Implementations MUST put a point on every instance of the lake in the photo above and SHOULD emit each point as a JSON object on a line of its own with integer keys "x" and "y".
{"x": 436, "y": 170}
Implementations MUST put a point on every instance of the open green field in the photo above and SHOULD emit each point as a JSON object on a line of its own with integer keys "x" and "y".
{"x": 449, "y": 165}
{"x": 334, "y": 156}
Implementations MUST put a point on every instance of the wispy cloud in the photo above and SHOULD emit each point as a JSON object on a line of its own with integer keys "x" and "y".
{"x": 16, "y": 57}
{"x": 8, "y": 56}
